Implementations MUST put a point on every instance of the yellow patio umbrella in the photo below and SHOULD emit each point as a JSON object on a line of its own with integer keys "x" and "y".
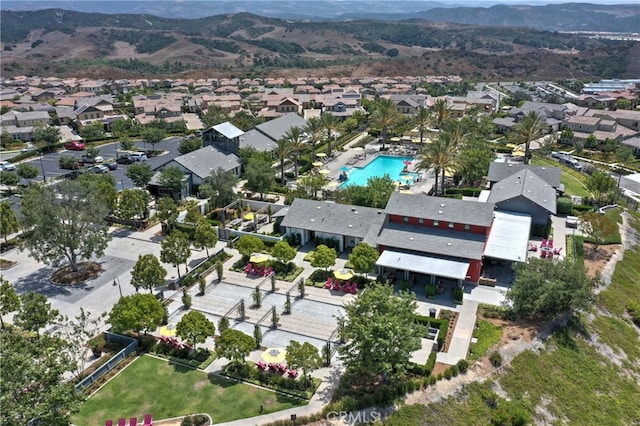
{"x": 249, "y": 216}
{"x": 517, "y": 154}
{"x": 324, "y": 171}
{"x": 321, "y": 155}
{"x": 168, "y": 330}
{"x": 511, "y": 145}
{"x": 333, "y": 184}
{"x": 343, "y": 274}
{"x": 449, "y": 172}
{"x": 406, "y": 191}
{"x": 317, "y": 164}
{"x": 276, "y": 355}
{"x": 258, "y": 258}
{"x": 406, "y": 177}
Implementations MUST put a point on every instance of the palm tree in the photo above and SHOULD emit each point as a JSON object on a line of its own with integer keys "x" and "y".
{"x": 439, "y": 155}
{"x": 422, "y": 119}
{"x": 282, "y": 152}
{"x": 448, "y": 154}
{"x": 330, "y": 124}
{"x": 441, "y": 112}
{"x": 313, "y": 130}
{"x": 528, "y": 129}
{"x": 294, "y": 138}
{"x": 385, "y": 114}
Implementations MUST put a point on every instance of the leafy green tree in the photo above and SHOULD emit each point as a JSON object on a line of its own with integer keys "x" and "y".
{"x": 153, "y": 135}
{"x": 102, "y": 187}
{"x": 27, "y": 171}
{"x": 623, "y": 104}
{"x": 167, "y": 212}
{"x": 133, "y": 203}
{"x": 47, "y": 134}
{"x": 8, "y": 178}
{"x": 189, "y": 145}
{"x": 303, "y": 356}
{"x": 193, "y": 215}
{"x": 206, "y": 236}
{"x": 126, "y": 144}
{"x": 244, "y": 120}
{"x": 9, "y": 299}
{"x": 69, "y": 227}
{"x": 139, "y": 312}
{"x": 76, "y": 333}
{"x": 248, "y": 244}
{"x": 385, "y": 115}
{"x": 363, "y": 258}
{"x": 330, "y": 124}
{"x": 92, "y": 151}
{"x": 9, "y": 222}
{"x": 92, "y": 132}
{"x": 566, "y": 135}
{"x": 140, "y": 174}
{"x": 147, "y": 273}
{"x": 67, "y": 162}
{"x": 379, "y": 332}
{"x": 283, "y": 252}
{"x": 259, "y": 176}
{"x": 312, "y": 183}
{"x": 175, "y": 249}
{"x": 546, "y": 289}
{"x": 33, "y": 381}
{"x": 624, "y": 154}
{"x": 441, "y": 112}
{"x": 474, "y": 161}
{"x": 219, "y": 188}
{"x": 234, "y": 345}
{"x": 530, "y": 128}
{"x": 214, "y": 115}
{"x": 591, "y": 141}
{"x": 120, "y": 128}
{"x": 172, "y": 179}
{"x": 194, "y": 327}
{"x": 598, "y": 228}
{"x": 608, "y": 147}
{"x": 600, "y": 183}
{"x": 35, "y": 312}
{"x": 223, "y": 324}
{"x": 324, "y": 257}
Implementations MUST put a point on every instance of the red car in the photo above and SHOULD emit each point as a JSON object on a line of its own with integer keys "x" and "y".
{"x": 75, "y": 146}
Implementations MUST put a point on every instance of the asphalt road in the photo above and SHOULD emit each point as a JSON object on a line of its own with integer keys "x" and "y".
{"x": 48, "y": 164}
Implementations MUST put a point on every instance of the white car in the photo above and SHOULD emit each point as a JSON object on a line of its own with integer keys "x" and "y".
{"x": 96, "y": 160}
{"x": 138, "y": 156}
{"x": 5, "y": 165}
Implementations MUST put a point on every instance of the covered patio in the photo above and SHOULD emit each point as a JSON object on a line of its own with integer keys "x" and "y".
{"x": 423, "y": 264}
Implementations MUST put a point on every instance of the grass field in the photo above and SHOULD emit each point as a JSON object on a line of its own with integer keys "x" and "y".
{"x": 487, "y": 335}
{"x": 572, "y": 180}
{"x": 154, "y": 386}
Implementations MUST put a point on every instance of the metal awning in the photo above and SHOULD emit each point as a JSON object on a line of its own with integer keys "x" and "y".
{"x": 509, "y": 237}
{"x": 456, "y": 269}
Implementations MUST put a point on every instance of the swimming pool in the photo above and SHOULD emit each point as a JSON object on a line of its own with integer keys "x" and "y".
{"x": 382, "y": 165}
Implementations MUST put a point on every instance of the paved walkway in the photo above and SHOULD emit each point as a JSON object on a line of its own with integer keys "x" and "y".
{"x": 459, "y": 347}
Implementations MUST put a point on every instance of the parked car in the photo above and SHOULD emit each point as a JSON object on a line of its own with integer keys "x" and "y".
{"x": 5, "y": 165}
{"x": 112, "y": 166}
{"x": 98, "y": 169}
{"x": 138, "y": 156}
{"x": 87, "y": 159}
{"x": 124, "y": 159}
{"x": 75, "y": 146}
{"x": 73, "y": 174}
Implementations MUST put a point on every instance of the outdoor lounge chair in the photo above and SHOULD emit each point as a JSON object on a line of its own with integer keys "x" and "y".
{"x": 292, "y": 373}
{"x": 354, "y": 288}
{"x": 346, "y": 287}
{"x": 147, "y": 420}
{"x": 248, "y": 268}
{"x": 122, "y": 422}
{"x": 259, "y": 270}
{"x": 557, "y": 251}
{"x": 108, "y": 423}
{"x": 336, "y": 285}
{"x": 329, "y": 283}
{"x": 282, "y": 368}
{"x": 261, "y": 365}
{"x": 133, "y": 421}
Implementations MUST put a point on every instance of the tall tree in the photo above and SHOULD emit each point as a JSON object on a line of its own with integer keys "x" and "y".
{"x": 422, "y": 119}
{"x": 474, "y": 161}
{"x": 167, "y": 212}
{"x": 313, "y": 130}
{"x": 363, "y": 258}
{"x": 259, "y": 175}
{"x": 282, "y": 151}
{"x": 304, "y": 356}
{"x": 35, "y": 312}
{"x": 385, "y": 115}
{"x": 72, "y": 227}
{"x": 76, "y": 333}
{"x": 153, "y": 135}
{"x": 47, "y": 134}
{"x": 530, "y": 128}
{"x": 312, "y": 183}
{"x": 175, "y": 249}
{"x": 133, "y": 203}
{"x": 27, "y": 171}
{"x": 330, "y": 125}
{"x": 294, "y": 138}
{"x": 9, "y": 299}
{"x": 438, "y": 155}
{"x": 214, "y": 115}
{"x": 283, "y": 252}
{"x": 546, "y": 289}
{"x": 380, "y": 333}
{"x": 147, "y": 273}
{"x": 9, "y": 222}
{"x": 194, "y": 327}
{"x": 600, "y": 183}
{"x": 324, "y": 257}
{"x": 206, "y": 236}
{"x": 249, "y": 244}
{"x": 189, "y": 145}
{"x": 172, "y": 179}
{"x": 234, "y": 345}
{"x": 218, "y": 187}
{"x": 140, "y": 174}
{"x": 441, "y": 112}
{"x": 139, "y": 312}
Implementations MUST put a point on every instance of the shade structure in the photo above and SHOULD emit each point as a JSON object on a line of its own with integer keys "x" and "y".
{"x": 517, "y": 154}
{"x": 407, "y": 177}
{"x": 343, "y": 274}
{"x": 324, "y": 171}
{"x": 511, "y": 145}
{"x": 258, "y": 258}
{"x": 317, "y": 164}
{"x": 168, "y": 330}
{"x": 274, "y": 355}
{"x": 248, "y": 216}
{"x": 321, "y": 155}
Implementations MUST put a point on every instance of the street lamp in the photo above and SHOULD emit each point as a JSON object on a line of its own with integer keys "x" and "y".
{"x": 116, "y": 282}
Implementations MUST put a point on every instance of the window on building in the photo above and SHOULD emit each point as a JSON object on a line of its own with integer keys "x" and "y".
{"x": 421, "y": 221}
{"x": 451, "y": 224}
{"x": 467, "y": 226}
{"x": 436, "y": 223}
{"x": 406, "y": 219}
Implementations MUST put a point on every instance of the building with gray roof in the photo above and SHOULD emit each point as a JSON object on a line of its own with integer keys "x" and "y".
{"x": 276, "y": 128}
{"x": 499, "y": 171}
{"x": 200, "y": 163}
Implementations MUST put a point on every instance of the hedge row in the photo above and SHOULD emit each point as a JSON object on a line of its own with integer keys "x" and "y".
{"x": 442, "y": 324}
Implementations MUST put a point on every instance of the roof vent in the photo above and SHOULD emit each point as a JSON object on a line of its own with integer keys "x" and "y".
{"x": 318, "y": 207}
{"x": 356, "y": 212}
{"x": 350, "y": 226}
{"x": 441, "y": 205}
{"x": 379, "y": 211}
{"x": 543, "y": 168}
{"x": 439, "y": 211}
{"x": 353, "y": 209}
{"x": 410, "y": 238}
{"x": 312, "y": 220}
{"x": 449, "y": 244}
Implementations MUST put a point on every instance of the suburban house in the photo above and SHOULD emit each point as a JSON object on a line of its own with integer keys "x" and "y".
{"x": 499, "y": 171}
{"x": 265, "y": 136}
{"x": 19, "y": 125}
{"x": 224, "y": 136}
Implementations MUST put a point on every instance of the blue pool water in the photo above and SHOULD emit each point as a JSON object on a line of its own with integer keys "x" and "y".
{"x": 382, "y": 165}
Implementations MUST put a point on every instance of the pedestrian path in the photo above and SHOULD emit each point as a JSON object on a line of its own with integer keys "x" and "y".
{"x": 459, "y": 347}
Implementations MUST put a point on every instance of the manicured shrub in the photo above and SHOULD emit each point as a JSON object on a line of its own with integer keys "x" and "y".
{"x": 454, "y": 370}
{"x": 448, "y": 374}
{"x": 564, "y": 205}
{"x": 431, "y": 290}
{"x": 463, "y": 366}
{"x": 496, "y": 359}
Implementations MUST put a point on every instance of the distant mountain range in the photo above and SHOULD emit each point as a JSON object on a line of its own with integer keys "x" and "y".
{"x": 550, "y": 17}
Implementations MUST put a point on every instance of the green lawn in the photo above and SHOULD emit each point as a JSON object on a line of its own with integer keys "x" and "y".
{"x": 573, "y": 180}
{"x": 151, "y": 385}
{"x": 487, "y": 335}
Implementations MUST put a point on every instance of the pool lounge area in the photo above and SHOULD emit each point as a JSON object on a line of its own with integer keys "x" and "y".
{"x": 379, "y": 166}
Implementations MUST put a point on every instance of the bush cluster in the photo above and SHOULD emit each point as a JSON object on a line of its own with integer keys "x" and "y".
{"x": 249, "y": 372}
